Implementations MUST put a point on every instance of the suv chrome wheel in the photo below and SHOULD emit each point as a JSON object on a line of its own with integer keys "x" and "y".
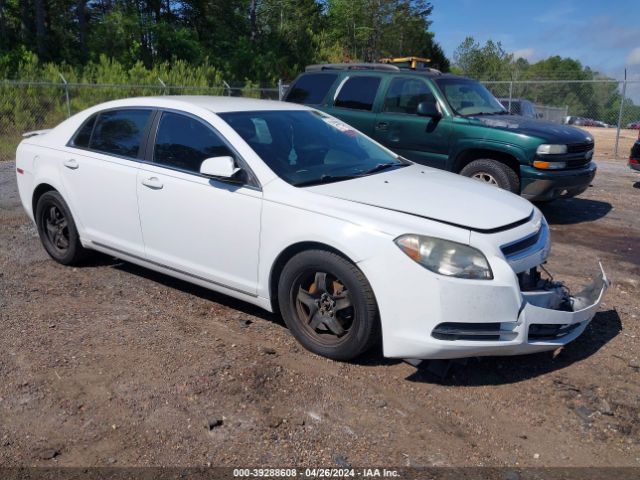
{"x": 486, "y": 178}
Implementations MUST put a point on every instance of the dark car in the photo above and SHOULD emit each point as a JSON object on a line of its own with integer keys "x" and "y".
{"x": 634, "y": 156}
{"x": 453, "y": 123}
{"x": 519, "y": 106}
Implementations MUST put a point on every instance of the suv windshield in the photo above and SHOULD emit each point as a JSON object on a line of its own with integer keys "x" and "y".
{"x": 308, "y": 147}
{"x": 468, "y": 97}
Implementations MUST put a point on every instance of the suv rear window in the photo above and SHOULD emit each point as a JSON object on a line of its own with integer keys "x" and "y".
{"x": 311, "y": 89}
{"x": 358, "y": 93}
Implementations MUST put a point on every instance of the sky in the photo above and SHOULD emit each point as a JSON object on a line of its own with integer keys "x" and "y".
{"x": 603, "y": 34}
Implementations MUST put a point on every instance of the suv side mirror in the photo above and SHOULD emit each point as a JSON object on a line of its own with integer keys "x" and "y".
{"x": 428, "y": 109}
{"x": 219, "y": 167}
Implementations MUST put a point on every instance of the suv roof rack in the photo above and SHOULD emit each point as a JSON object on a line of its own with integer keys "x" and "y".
{"x": 351, "y": 66}
{"x": 370, "y": 66}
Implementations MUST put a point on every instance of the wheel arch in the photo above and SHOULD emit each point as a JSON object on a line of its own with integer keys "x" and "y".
{"x": 40, "y": 190}
{"x": 467, "y": 156}
{"x": 287, "y": 254}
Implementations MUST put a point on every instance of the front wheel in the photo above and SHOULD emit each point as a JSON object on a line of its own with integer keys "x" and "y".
{"x": 493, "y": 172}
{"x": 328, "y": 305}
{"x": 57, "y": 230}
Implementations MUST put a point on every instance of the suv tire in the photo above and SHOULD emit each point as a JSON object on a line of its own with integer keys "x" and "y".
{"x": 493, "y": 172}
{"x": 328, "y": 305}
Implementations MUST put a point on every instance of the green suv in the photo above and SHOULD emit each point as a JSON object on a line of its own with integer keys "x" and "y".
{"x": 453, "y": 123}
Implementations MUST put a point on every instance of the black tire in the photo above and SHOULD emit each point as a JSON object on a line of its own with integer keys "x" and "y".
{"x": 493, "y": 172}
{"x": 316, "y": 308}
{"x": 57, "y": 230}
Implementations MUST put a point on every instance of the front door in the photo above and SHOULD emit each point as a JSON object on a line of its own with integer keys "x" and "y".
{"x": 205, "y": 228}
{"x": 421, "y": 139}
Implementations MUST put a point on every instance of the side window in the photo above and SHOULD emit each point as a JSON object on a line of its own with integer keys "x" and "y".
{"x": 358, "y": 93}
{"x": 184, "y": 142}
{"x": 311, "y": 89}
{"x": 404, "y": 95}
{"x": 83, "y": 135}
{"x": 119, "y": 132}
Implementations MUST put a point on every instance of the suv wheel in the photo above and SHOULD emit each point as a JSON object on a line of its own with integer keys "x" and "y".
{"x": 494, "y": 173}
{"x": 328, "y": 305}
{"x": 57, "y": 230}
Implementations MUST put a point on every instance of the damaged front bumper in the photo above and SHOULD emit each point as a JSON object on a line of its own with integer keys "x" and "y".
{"x": 549, "y": 317}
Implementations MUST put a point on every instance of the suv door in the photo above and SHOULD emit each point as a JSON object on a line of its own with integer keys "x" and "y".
{"x": 354, "y": 101}
{"x": 198, "y": 226}
{"x": 99, "y": 169}
{"x": 424, "y": 140}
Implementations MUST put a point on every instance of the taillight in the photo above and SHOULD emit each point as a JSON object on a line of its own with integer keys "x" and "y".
{"x": 635, "y": 161}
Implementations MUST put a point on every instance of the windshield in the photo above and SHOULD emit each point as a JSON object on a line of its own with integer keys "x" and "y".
{"x": 305, "y": 147}
{"x": 468, "y": 97}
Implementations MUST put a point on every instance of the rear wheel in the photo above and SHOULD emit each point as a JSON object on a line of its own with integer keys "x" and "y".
{"x": 328, "y": 305}
{"x": 493, "y": 172}
{"x": 57, "y": 230}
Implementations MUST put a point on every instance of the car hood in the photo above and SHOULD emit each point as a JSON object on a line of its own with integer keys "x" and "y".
{"x": 433, "y": 194}
{"x": 548, "y": 131}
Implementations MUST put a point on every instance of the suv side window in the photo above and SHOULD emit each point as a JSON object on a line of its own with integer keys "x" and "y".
{"x": 119, "y": 132}
{"x": 404, "y": 95}
{"x": 358, "y": 93}
{"x": 183, "y": 142}
{"x": 312, "y": 88}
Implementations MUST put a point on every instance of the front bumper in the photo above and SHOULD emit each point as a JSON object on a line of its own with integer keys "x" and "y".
{"x": 544, "y": 185}
{"x": 485, "y": 318}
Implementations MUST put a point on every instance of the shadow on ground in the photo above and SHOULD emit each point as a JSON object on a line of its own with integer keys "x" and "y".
{"x": 505, "y": 370}
{"x": 568, "y": 211}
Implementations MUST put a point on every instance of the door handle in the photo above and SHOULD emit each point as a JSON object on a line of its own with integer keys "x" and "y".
{"x": 72, "y": 163}
{"x": 382, "y": 125}
{"x": 152, "y": 182}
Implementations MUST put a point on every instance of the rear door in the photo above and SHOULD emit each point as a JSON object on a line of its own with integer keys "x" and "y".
{"x": 421, "y": 139}
{"x": 354, "y": 101}
{"x": 99, "y": 169}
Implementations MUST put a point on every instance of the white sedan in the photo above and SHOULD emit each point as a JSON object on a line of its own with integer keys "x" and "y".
{"x": 290, "y": 209}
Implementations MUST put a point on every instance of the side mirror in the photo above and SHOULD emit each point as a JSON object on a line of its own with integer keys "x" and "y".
{"x": 219, "y": 167}
{"x": 428, "y": 109}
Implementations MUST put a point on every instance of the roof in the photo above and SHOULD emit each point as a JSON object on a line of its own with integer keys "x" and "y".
{"x": 208, "y": 102}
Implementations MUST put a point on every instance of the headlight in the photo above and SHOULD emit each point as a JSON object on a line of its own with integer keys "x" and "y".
{"x": 444, "y": 257}
{"x": 546, "y": 149}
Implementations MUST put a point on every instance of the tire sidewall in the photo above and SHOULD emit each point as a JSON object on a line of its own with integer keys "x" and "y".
{"x": 73, "y": 252}
{"x": 506, "y": 178}
{"x": 361, "y": 330}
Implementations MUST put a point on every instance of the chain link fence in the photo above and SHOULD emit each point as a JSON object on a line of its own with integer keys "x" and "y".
{"x": 601, "y": 107}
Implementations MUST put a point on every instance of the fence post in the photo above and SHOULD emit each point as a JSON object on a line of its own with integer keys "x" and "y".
{"x": 66, "y": 94}
{"x": 280, "y": 89}
{"x": 624, "y": 92}
{"x": 164, "y": 86}
{"x": 510, "y": 94}
{"x": 227, "y": 88}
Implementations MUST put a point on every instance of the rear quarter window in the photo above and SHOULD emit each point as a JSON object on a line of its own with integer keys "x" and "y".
{"x": 311, "y": 89}
{"x": 83, "y": 135}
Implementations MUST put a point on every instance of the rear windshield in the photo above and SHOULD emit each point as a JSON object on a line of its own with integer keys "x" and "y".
{"x": 311, "y": 89}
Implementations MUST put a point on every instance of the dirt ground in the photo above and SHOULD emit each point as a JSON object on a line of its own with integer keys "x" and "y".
{"x": 110, "y": 364}
{"x": 605, "y": 139}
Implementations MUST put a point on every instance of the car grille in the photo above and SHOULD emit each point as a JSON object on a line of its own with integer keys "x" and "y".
{"x": 526, "y": 245}
{"x": 579, "y": 147}
{"x": 548, "y": 331}
{"x": 577, "y": 162}
{"x": 470, "y": 331}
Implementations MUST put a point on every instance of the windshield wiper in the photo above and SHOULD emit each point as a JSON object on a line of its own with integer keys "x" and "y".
{"x": 486, "y": 113}
{"x": 325, "y": 179}
{"x": 381, "y": 166}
